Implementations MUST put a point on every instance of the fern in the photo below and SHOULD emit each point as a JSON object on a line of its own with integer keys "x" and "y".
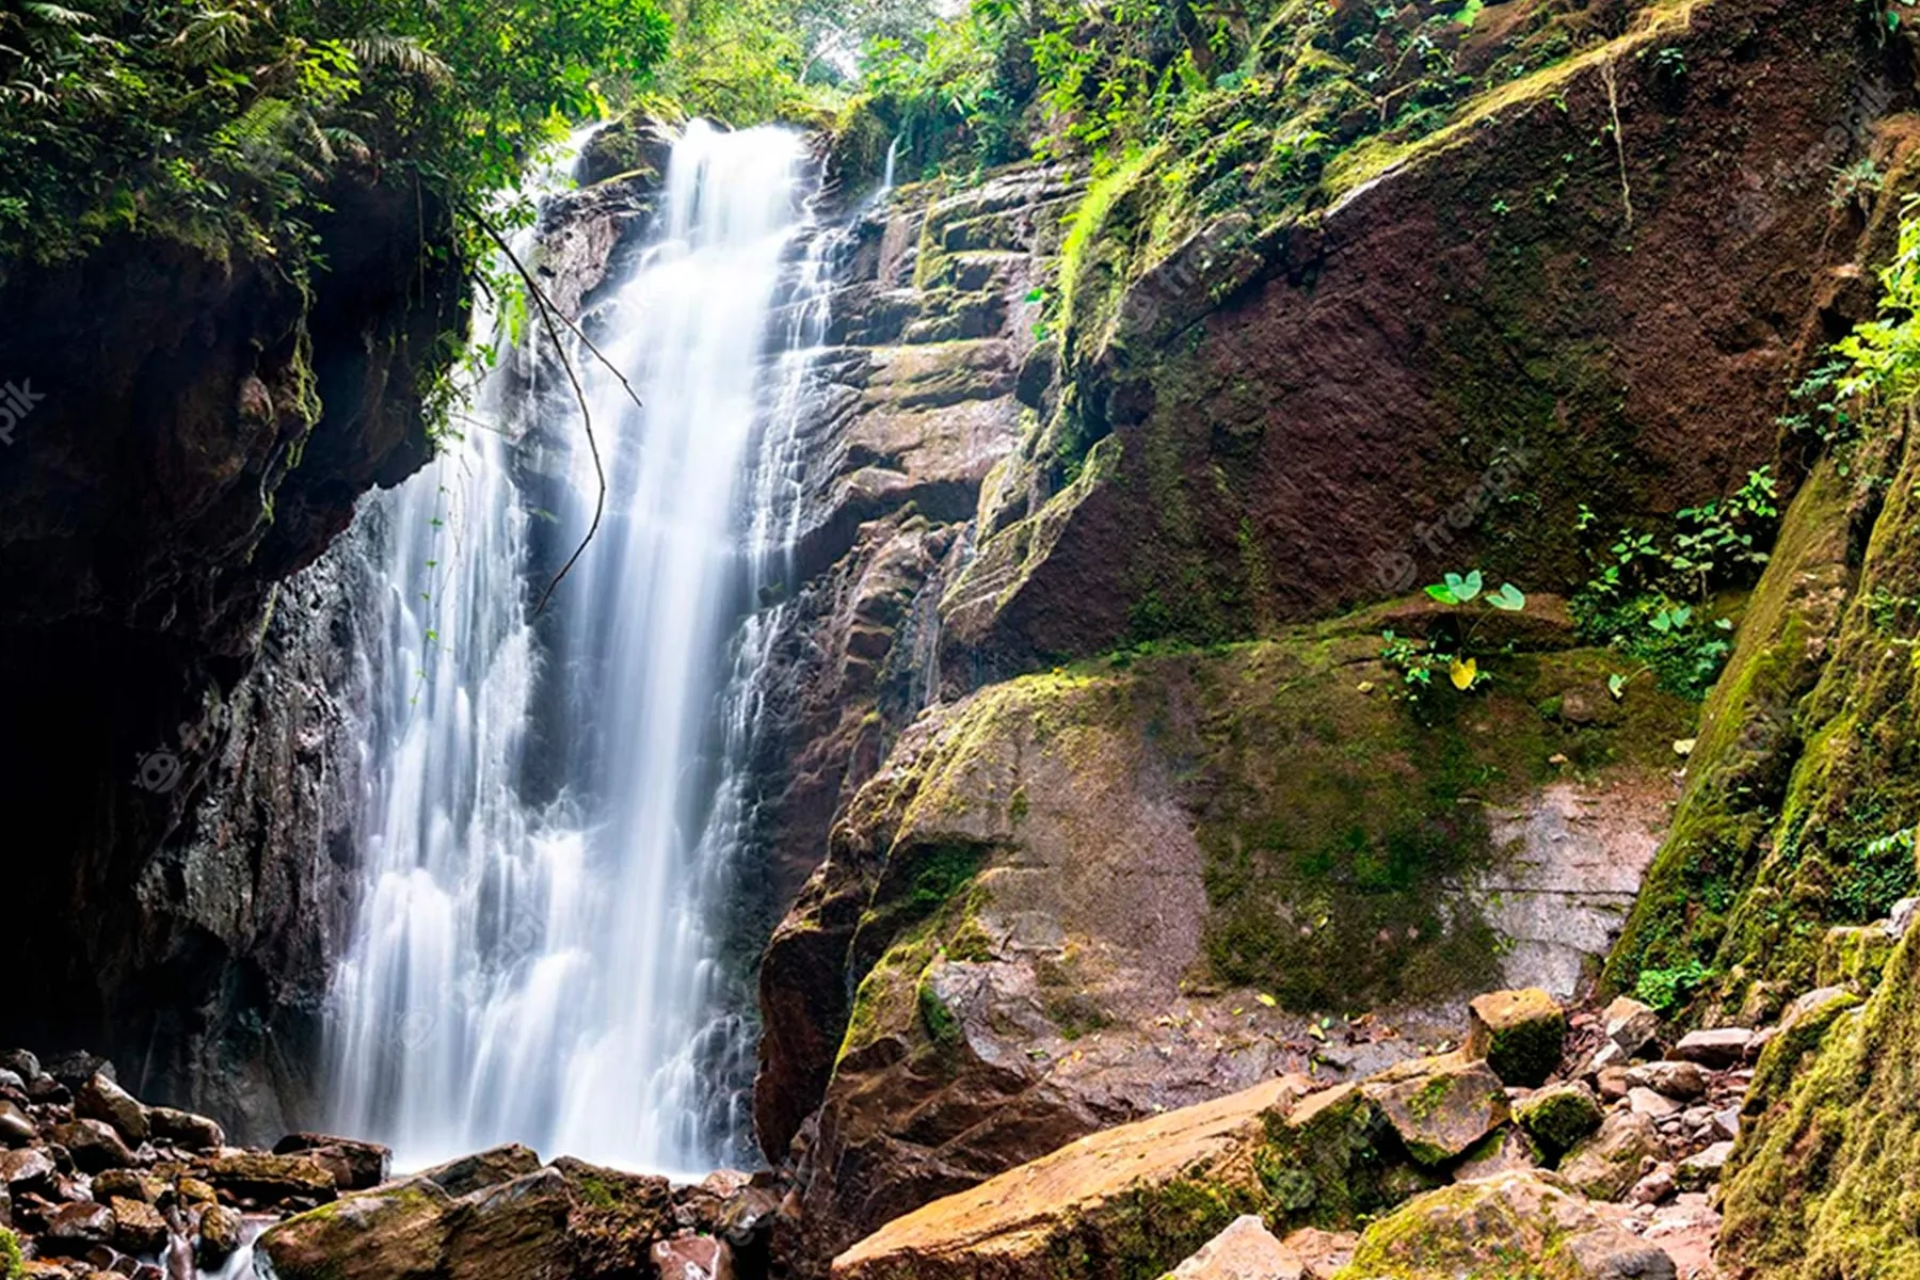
{"x": 400, "y": 53}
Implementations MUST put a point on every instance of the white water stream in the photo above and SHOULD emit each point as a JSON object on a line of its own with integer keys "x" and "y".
{"x": 556, "y": 804}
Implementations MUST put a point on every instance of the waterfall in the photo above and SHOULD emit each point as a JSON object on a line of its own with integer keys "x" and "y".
{"x": 537, "y": 960}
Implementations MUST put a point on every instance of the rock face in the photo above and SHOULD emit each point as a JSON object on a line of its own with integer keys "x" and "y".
{"x": 1261, "y": 423}
{"x": 919, "y": 407}
{"x": 206, "y": 428}
{"x": 1076, "y": 897}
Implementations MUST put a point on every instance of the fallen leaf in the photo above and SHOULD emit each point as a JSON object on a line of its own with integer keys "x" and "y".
{"x": 1464, "y": 673}
{"x": 1684, "y": 746}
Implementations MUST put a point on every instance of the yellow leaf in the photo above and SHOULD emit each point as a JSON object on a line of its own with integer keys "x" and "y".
{"x": 1316, "y": 1033}
{"x": 1465, "y": 673}
{"x": 1266, "y": 999}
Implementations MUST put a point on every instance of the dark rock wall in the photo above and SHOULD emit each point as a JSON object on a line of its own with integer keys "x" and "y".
{"x": 204, "y": 429}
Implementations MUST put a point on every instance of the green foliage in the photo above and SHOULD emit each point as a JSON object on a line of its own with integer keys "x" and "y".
{"x": 1635, "y": 599}
{"x": 222, "y": 122}
{"x": 13, "y": 1265}
{"x": 1668, "y": 989}
{"x": 1883, "y": 355}
{"x": 1446, "y": 648}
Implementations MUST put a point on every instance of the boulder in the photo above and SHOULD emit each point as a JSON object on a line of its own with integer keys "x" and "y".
{"x": 137, "y": 1226}
{"x": 16, "y": 1126}
{"x": 267, "y": 1179}
{"x": 1655, "y": 1106}
{"x": 94, "y": 1145}
{"x": 1717, "y": 1048}
{"x": 1656, "y": 1187}
{"x": 1510, "y": 1224}
{"x": 74, "y": 1229}
{"x": 483, "y": 1169}
{"x": 1683, "y": 1080}
{"x": 185, "y": 1129}
{"x": 1607, "y": 1165}
{"x": 1630, "y": 1024}
{"x": 514, "y": 1230}
{"x": 127, "y": 1184}
{"x": 21, "y": 1063}
{"x": 1324, "y": 1253}
{"x": 692, "y": 1258}
{"x": 1559, "y": 1117}
{"x": 29, "y": 1169}
{"x": 1246, "y": 1250}
{"x": 1440, "y": 1106}
{"x": 1521, "y": 1034}
{"x": 1504, "y": 1152}
{"x": 355, "y": 1166}
{"x": 221, "y": 1235}
{"x": 99, "y": 1098}
{"x": 1140, "y": 1198}
{"x": 397, "y": 1233}
{"x": 74, "y": 1069}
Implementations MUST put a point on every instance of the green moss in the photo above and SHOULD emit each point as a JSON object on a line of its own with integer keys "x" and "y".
{"x": 1559, "y": 1118}
{"x": 13, "y": 1265}
{"x": 940, "y": 1023}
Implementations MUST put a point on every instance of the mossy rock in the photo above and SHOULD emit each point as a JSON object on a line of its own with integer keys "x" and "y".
{"x": 1560, "y": 1117}
{"x": 1513, "y": 1226}
{"x": 1521, "y": 1034}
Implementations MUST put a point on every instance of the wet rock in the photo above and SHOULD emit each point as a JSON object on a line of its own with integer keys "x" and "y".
{"x": 268, "y": 1179}
{"x": 1703, "y": 1168}
{"x": 1559, "y": 1117}
{"x": 21, "y": 1062}
{"x": 1481, "y": 1228}
{"x": 73, "y": 1229}
{"x": 691, "y": 1258}
{"x": 1900, "y": 919}
{"x": 185, "y": 1129}
{"x": 94, "y": 1145}
{"x": 1520, "y": 1034}
{"x": 137, "y": 1226}
{"x": 1717, "y": 1048}
{"x": 222, "y": 1230}
{"x": 16, "y": 1126}
{"x": 1630, "y": 1024}
{"x": 127, "y": 1184}
{"x": 1246, "y": 1250}
{"x": 1683, "y": 1080}
{"x": 356, "y": 1166}
{"x": 1440, "y": 1106}
{"x": 397, "y": 1233}
{"x": 26, "y": 1170}
{"x": 514, "y": 1230}
{"x": 99, "y": 1098}
{"x": 483, "y": 1169}
{"x": 75, "y": 1069}
{"x": 1607, "y": 1165}
{"x": 195, "y": 1191}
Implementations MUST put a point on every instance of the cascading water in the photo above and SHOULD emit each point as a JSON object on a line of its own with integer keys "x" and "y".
{"x": 547, "y": 971}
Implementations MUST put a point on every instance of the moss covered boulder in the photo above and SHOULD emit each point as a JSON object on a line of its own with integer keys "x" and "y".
{"x": 1137, "y": 1200}
{"x": 1440, "y": 1107}
{"x": 1521, "y": 1034}
{"x": 1513, "y": 1226}
{"x": 1560, "y": 1117}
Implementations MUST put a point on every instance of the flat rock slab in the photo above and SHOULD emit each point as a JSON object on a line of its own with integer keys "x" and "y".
{"x": 1125, "y": 1201}
{"x": 1718, "y": 1048}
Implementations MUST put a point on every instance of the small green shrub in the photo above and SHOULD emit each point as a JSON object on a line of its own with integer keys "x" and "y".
{"x": 1667, "y": 989}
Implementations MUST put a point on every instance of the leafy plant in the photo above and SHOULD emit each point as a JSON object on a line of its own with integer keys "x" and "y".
{"x": 1446, "y": 648}
{"x": 1666, "y": 990}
